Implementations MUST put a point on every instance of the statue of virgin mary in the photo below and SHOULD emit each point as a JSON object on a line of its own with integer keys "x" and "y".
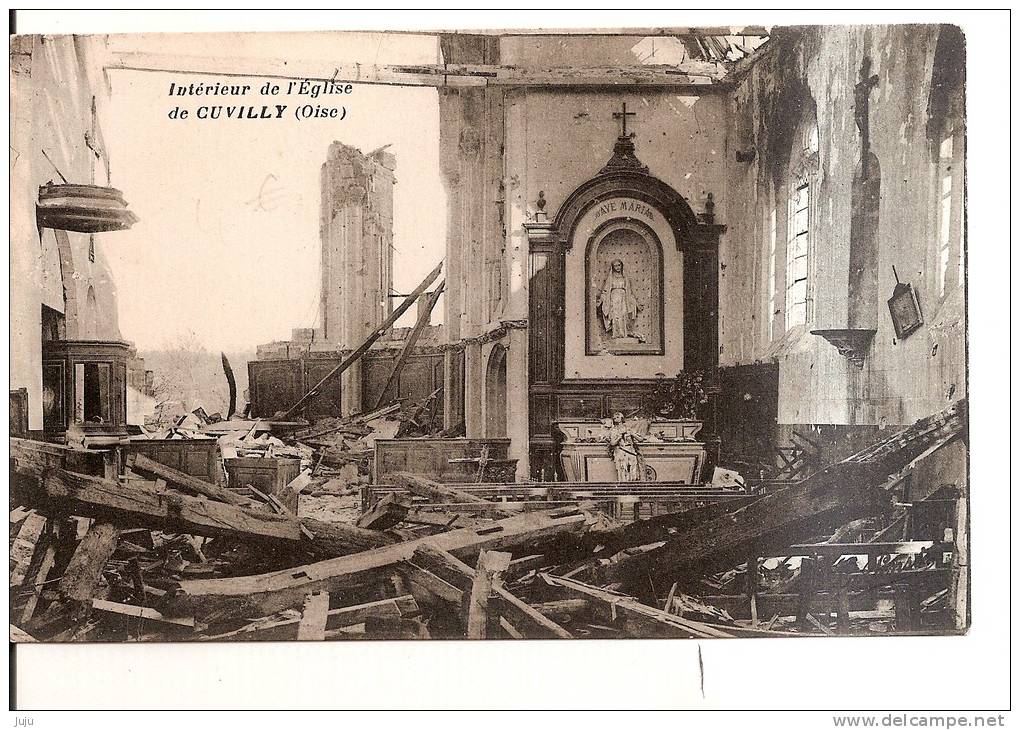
{"x": 617, "y": 304}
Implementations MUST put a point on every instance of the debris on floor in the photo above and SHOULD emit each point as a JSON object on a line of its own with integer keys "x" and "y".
{"x": 145, "y": 552}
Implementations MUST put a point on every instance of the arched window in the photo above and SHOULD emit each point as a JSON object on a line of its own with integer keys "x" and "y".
{"x": 801, "y": 187}
{"x": 946, "y": 135}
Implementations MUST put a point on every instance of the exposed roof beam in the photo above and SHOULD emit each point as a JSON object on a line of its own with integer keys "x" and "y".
{"x": 685, "y": 74}
{"x": 736, "y": 30}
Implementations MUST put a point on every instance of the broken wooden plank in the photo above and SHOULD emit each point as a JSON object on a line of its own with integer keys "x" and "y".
{"x": 19, "y": 636}
{"x": 490, "y": 564}
{"x": 510, "y": 629}
{"x": 149, "y": 614}
{"x": 169, "y": 511}
{"x": 275, "y": 591}
{"x": 291, "y": 494}
{"x": 417, "y": 484}
{"x": 48, "y": 559}
{"x": 81, "y": 577}
{"x": 312, "y": 626}
{"x": 525, "y": 618}
{"x": 337, "y": 618}
{"x": 446, "y": 520}
{"x": 644, "y": 621}
{"x": 563, "y": 610}
{"x": 142, "y": 463}
{"x": 24, "y": 547}
{"x": 532, "y": 622}
{"x": 386, "y": 513}
{"x": 333, "y": 539}
{"x": 426, "y": 587}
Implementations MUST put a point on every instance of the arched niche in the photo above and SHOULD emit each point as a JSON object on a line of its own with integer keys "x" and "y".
{"x": 623, "y": 289}
{"x": 495, "y": 393}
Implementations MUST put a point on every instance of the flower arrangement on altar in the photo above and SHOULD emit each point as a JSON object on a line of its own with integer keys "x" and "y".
{"x": 678, "y": 398}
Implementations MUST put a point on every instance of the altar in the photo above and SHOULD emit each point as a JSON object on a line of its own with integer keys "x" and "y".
{"x": 667, "y": 451}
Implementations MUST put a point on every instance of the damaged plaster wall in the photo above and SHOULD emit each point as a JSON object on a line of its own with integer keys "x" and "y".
{"x": 852, "y": 251}
{"x": 54, "y": 81}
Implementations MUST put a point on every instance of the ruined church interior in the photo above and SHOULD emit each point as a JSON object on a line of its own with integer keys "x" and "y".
{"x": 692, "y": 363}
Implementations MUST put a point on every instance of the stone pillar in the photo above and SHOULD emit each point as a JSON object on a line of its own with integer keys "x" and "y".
{"x": 517, "y": 424}
{"x": 517, "y": 252}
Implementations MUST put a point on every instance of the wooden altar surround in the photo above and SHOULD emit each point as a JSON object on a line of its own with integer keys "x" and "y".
{"x": 553, "y": 395}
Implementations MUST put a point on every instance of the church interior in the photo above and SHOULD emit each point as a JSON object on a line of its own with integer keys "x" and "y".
{"x": 701, "y": 360}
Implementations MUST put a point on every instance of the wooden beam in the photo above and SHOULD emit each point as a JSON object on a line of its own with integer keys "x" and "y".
{"x": 337, "y": 618}
{"x": 437, "y": 588}
{"x": 270, "y": 592}
{"x": 490, "y": 565}
{"x": 364, "y": 346}
{"x": 142, "y": 463}
{"x": 24, "y": 547}
{"x": 689, "y": 73}
{"x": 386, "y": 513}
{"x": 563, "y": 610}
{"x": 525, "y": 618}
{"x": 424, "y": 315}
{"x": 81, "y": 577}
{"x": 333, "y": 539}
{"x": 312, "y": 626}
{"x": 436, "y": 518}
{"x": 131, "y": 505}
{"x": 48, "y": 559}
{"x": 643, "y": 621}
{"x": 435, "y": 491}
{"x": 149, "y": 614}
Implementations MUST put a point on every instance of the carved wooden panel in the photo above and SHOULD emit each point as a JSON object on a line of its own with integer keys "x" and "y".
{"x": 274, "y": 385}
{"x": 701, "y": 308}
{"x": 431, "y": 457}
{"x": 197, "y": 457}
{"x": 545, "y": 324}
{"x": 579, "y": 406}
{"x": 327, "y": 403}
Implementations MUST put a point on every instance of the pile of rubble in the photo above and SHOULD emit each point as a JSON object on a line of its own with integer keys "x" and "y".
{"x": 154, "y": 554}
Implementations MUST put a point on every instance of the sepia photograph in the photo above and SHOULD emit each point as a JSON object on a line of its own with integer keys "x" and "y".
{"x": 490, "y": 334}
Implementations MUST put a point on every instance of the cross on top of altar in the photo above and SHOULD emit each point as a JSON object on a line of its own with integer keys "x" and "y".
{"x": 622, "y": 115}
{"x": 623, "y": 151}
